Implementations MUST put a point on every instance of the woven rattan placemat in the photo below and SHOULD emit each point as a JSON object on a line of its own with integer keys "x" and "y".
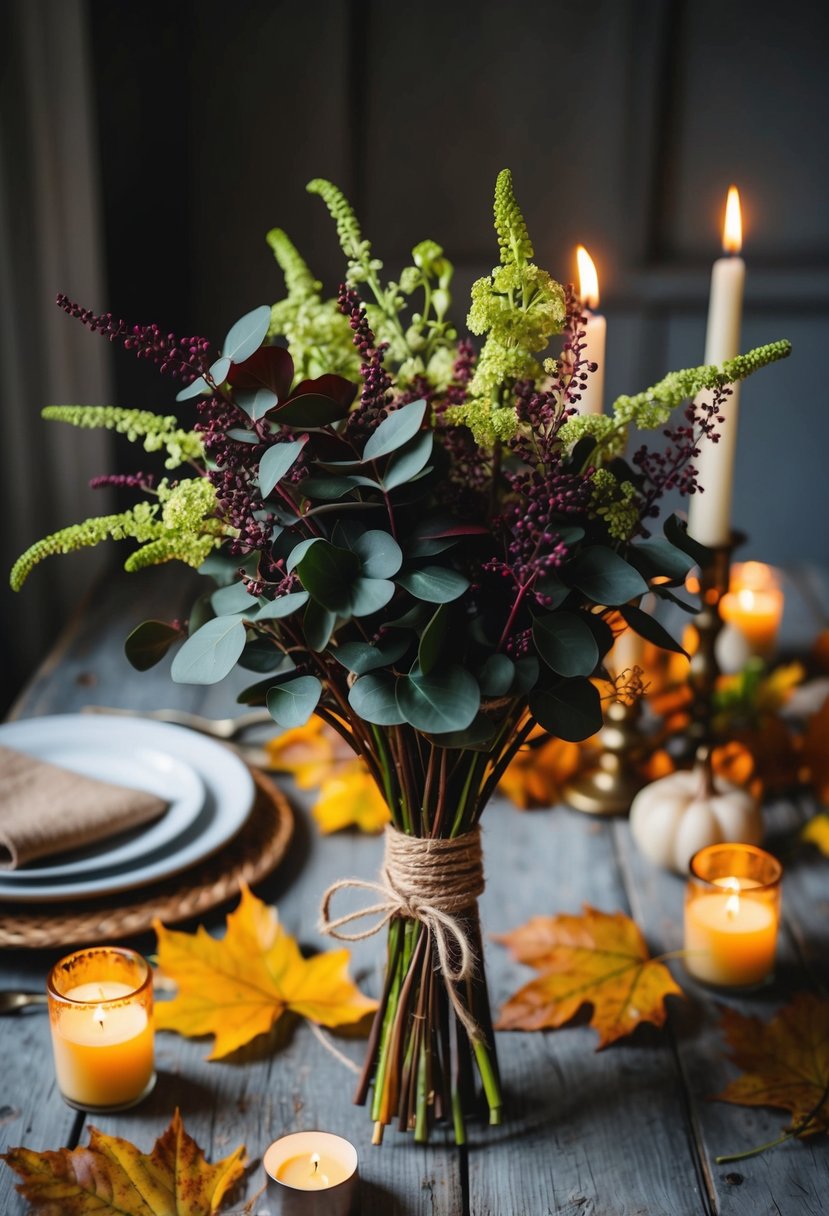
{"x": 253, "y": 853}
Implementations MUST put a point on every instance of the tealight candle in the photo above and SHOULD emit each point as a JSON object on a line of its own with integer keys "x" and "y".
{"x": 101, "y": 1019}
{"x": 732, "y": 911}
{"x": 312, "y": 1174}
{"x": 752, "y": 610}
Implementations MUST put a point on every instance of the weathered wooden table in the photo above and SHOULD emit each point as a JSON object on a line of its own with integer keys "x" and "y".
{"x": 626, "y": 1131}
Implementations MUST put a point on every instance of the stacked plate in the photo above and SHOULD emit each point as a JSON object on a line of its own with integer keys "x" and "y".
{"x": 209, "y": 792}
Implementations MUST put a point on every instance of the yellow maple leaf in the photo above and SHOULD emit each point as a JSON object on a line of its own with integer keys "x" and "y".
{"x": 236, "y": 988}
{"x": 310, "y": 753}
{"x": 110, "y": 1177}
{"x": 599, "y": 959}
{"x": 351, "y": 798}
{"x": 816, "y": 832}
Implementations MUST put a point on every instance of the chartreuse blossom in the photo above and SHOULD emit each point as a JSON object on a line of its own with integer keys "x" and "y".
{"x": 519, "y": 307}
{"x": 317, "y": 333}
{"x": 158, "y": 432}
{"x": 615, "y": 502}
{"x": 179, "y": 526}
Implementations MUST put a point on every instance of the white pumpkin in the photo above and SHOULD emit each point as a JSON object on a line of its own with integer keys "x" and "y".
{"x": 674, "y": 817}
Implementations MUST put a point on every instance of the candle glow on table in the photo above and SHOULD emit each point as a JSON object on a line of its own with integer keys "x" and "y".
{"x": 100, "y": 1008}
{"x": 709, "y": 513}
{"x": 732, "y": 910}
{"x": 312, "y": 1174}
{"x": 592, "y": 397}
{"x": 753, "y": 607}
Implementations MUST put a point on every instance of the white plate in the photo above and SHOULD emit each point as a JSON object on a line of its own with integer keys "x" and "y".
{"x": 229, "y": 793}
{"x": 144, "y": 768}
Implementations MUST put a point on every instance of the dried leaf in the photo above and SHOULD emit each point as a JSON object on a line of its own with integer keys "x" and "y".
{"x": 351, "y": 799}
{"x": 816, "y": 832}
{"x": 112, "y": 1178}
{"x": 785, "y": 1062}
{"x": 236, "y": 988}
{"x": 600, "y": 959}
{"x": 310, "y": 753}
{"x": 536, "y": 775}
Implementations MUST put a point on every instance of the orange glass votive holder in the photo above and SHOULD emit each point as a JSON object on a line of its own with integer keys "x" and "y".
{"x": 101, "y": 1019}
{"x": 732, "y": 914}
{"x": 753, "y": 607}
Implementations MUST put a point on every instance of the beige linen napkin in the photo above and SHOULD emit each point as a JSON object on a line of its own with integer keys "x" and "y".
{"x": 45, "y": 809}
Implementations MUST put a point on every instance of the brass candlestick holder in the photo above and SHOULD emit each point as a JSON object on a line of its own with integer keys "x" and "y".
{"x": 610, "y": 785}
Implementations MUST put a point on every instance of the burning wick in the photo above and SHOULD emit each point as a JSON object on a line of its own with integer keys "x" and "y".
{"x": 732, "y": 904}
{"x": 100, "y": 1017}
{"x": 315, "y": 1174}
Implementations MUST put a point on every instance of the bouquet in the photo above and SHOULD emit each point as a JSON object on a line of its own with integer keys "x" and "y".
{"x": 424, "y": 543}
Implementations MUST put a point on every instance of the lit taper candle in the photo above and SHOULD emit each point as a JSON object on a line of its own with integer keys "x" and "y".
{"x": 592, "y": 398}
{"x": 709, "y": 512}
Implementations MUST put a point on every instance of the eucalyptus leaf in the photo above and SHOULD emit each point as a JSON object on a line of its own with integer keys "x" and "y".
{"x": 569, "y": 709}
{"x": 677, "y": 533}
{"x": 380, "y": 554}
{"x": 395, "y": 430}
{"x": 326, "y": 489}
{"x": 527, "y": 671}
{"x": 329, "y": 574}
{"x": 317, "y": 626}
{"x": 242, "y": 436}
{"x": 650, "y": 629}
{"x": 211, "y": 653}
{"x": 361, "y": 657}
{"x": 298, "y": 552}
{"x": 432, "y": 639}
{"x": 553, "y": 589}
{"x": 407, "y": 464}
{"x": 235, "y": 598}
{"x": 372, "y": 697}
{"x": 497, "y": 675}
{"x": 291, "y": 704}
{"x": 605, "y": 577}
{"x": 149, "y": 642}
{"x": 247, "y": 335}
{"x": 284, "y": 605}
{"x": 218, "y": 370}
{"x": 445, "y": 700}
{"x": 198, "y": 388}
{"x": 255, "y": 402}
{"x": 369, "y": 595}
{"x": 262, "y": 655}
{"x": 311, "y": 410}
{"x": 659, "y": 557}
{"x": 276, "y": 462}
{"x": 435, "y": 584}
{"x": 566, "y": 644}
{"x": 476, "y": 738}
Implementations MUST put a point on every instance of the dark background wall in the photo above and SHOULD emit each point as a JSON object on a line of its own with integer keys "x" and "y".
{"x": 624, "y": 122}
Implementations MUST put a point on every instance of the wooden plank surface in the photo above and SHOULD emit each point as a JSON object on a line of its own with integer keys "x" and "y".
{"x": 627, "y": 1132}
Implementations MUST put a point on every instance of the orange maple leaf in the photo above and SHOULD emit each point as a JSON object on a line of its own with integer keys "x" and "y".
{"x": 236, "y": 988}
{"x": 350, "y": 798}
{"x": 785, "y": 1062}
{"x": 110, "y": 1177}
{"x": 599, "y": 959}
{"x": 536, "y": 775}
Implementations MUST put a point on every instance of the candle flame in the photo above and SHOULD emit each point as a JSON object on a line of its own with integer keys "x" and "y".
{"x": 756, "y": 575}
{"x": 732, "y": 233}
{"x": 99, "y": 1016}
{"x": 315, "y": 1162}
{"x": 745, "y": 598}
{"x": 732, "y": 904}
{"x": 588, "y": 279}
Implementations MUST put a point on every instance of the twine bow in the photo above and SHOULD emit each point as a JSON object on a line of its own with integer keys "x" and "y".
{"x": 429, "y": 880}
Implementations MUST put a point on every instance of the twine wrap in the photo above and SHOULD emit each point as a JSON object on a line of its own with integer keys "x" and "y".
{"x": 433, "y": 881}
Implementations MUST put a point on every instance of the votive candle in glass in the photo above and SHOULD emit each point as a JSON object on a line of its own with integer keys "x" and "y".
{"x": 312, "y": 1174}
{"x": 101, "y": 1018}
{"x": 752, "y": 610}
{"x": 732, "y": 913}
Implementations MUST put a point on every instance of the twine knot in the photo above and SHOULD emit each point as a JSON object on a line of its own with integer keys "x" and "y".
{"x": 434, "y": 881}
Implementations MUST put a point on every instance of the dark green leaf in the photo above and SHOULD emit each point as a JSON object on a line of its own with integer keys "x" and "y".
{"x": 292, "y": 704}
{"x": 445, "y": 700}
{"x": 149, "y": 642}
{"x": 298, "y": 552}
{"x": 262, "y": 655}
{"x": 568, "y": 709}
{"x": 600, "y": 629}
{"x": 200, "y": 613}
{"x": 380, "y": 554}
{"x": 329, "y": 574}
{"x": 326, "y": 489}
{"x": 395, "y": 430}
{"x": 527, "y": 671}
{"x": 211, "y": 653}
{"x": 310, "y": 410}
{"x": 415, "y": 618}
{"x": 257, "y": 694}
{"x": 275, "y": 464}
{"x": 649, "y": 628}
{"x": 605, "y": 577}
{"x": 476, "y": 738}
{"x": 660, "y": 557}
{"x": 372, "y": 697}
{"x": 665, "y": 594}
{"x": 566, "y": 644}
{"x": 496, "y": 675}
{"x": 432, "y": 639}
{"x": 677, "y": 533}
{"x": 435, "y": 584}
{"x": 317, "y": 626}
{"x": 554, "y": 589}
{"x": 247, "y": 335}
